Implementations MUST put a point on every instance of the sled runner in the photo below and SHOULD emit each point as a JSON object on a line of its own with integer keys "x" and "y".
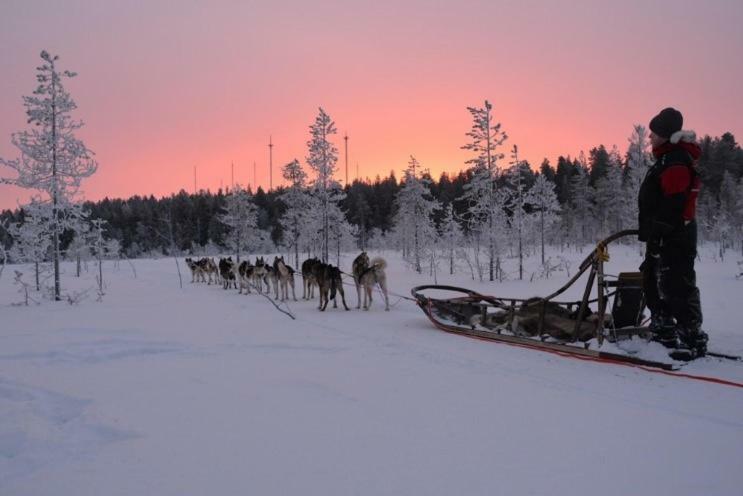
{"x": 564, "y": 327}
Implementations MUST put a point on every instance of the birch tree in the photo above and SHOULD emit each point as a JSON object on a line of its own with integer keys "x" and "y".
{"x": 52, "y": 159}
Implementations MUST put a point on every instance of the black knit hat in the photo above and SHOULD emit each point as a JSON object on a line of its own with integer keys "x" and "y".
{"x": 667, "y": 122}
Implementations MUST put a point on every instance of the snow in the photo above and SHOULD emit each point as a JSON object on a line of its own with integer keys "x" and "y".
{"x": 169, "y": 391}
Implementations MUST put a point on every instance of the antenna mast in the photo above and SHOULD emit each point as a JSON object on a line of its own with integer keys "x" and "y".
{"x": 270, "y": 163}
{"x": 345, "y": 138}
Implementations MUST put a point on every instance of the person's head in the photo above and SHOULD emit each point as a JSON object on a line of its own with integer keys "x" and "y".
{"x": 663, "y": 125}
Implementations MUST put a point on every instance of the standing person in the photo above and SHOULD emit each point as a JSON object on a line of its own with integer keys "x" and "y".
{"x": 667, "y": 208}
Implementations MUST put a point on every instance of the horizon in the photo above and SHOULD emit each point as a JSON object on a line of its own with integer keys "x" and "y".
{"x": 163, "y": 93}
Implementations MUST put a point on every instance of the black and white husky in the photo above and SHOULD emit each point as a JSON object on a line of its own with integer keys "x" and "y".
{"x": 227, "y": 272}
{"x": 371, "y": 276}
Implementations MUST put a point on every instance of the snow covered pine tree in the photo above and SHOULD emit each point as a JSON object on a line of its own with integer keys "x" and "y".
{"x": 52, "y": 159}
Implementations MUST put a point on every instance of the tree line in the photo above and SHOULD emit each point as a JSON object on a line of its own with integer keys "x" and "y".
{"x": 498, "y": 206}
{"x": 370, "y": 204}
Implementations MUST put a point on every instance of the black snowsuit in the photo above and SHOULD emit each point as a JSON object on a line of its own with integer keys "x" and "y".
{"x": 667, "y": 203}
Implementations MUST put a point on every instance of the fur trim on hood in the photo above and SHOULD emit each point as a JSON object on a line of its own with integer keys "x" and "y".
{"x": 683, "y": 135}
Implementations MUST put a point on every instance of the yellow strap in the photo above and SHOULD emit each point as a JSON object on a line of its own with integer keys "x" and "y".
{"x": 602, "y": 253}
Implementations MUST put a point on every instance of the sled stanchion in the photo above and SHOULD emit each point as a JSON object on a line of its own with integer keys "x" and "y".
{"x": 542, "y": 316}
{"x": 584, "y": 303}
{"x": 601, "y": 256}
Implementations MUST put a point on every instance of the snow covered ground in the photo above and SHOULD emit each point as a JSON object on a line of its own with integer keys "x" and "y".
{"x": 159, "y": 390}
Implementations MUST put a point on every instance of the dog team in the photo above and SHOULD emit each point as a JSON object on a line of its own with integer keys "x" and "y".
{"x": 326, "y": 278}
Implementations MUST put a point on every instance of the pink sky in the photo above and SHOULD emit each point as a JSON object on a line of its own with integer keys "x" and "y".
{"x": 166, "y": 86}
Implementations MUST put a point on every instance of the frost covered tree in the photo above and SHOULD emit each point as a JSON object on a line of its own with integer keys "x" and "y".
{"x": 31, "y": 238}
{"x": 543, "y": 200}
{"x": 516, "y": 204}
{"x": 79, "y": 251}
{"x": 76, "y": 220}
{"x": 639, "y": 160}
{"x": 611, "y": 199}
{"x": 297, "y": 205}
{"x": 731, "y": 204}
{"x": 341, "y": 233}
{"x": 484, "y": 201}
{"x": 99, "y": 247}
{"x": 52, "y": 159}
{"x": 3, "y": 252}
{"x": 450, "y": 235}
{"x": 415, "y": 210}
{"x": 581, "y": 204}
{"x": 322, "y": 158}
{"x": 241, "y": 219}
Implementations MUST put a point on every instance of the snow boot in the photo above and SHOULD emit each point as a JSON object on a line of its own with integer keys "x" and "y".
{"x": 693, "y": 338}
{"x": 663, "y": 330}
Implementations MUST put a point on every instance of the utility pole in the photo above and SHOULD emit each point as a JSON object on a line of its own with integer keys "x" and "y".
{"x": 255, "y": 181}
{"x": 270, "y": 163}
{"x": 345, "y": 138}
{"x": 232, "y": 177}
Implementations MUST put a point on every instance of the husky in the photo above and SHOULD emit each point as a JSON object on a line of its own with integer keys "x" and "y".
{"x": 308, "y": 279}
{"x": 259, "y": 275}
{"x": 210, "y": 268}
{"x": 193, "y": 267}
{"x": 244, "y": 276}
{"x": 227, "y": 272}
{"x": 271, "y": 278}
{"x": 285, "y": 275}
{"x": 329, "y": 281}
{"x": 360, "y": 264}
{"x": 201, "y": 268}
{"x": 373, "y": 275}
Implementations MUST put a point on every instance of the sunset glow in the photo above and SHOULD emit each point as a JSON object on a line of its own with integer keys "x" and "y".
{"x": 166, "y": 87}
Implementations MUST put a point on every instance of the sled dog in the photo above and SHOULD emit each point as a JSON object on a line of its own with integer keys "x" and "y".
{"x": 373, "y": 275}
{"x": 227, "y": 272}
{"x": 285, "y": 277}
{"x": 330, "y": 283}
{"x": 308, "y": 279}
{"x": 360, "y": 264}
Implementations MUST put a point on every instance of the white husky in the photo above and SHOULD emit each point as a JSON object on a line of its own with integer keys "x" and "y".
{"x": 372, "y": 276}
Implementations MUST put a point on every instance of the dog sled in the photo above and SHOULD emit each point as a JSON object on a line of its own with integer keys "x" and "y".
{"x": 576, "y": 328}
